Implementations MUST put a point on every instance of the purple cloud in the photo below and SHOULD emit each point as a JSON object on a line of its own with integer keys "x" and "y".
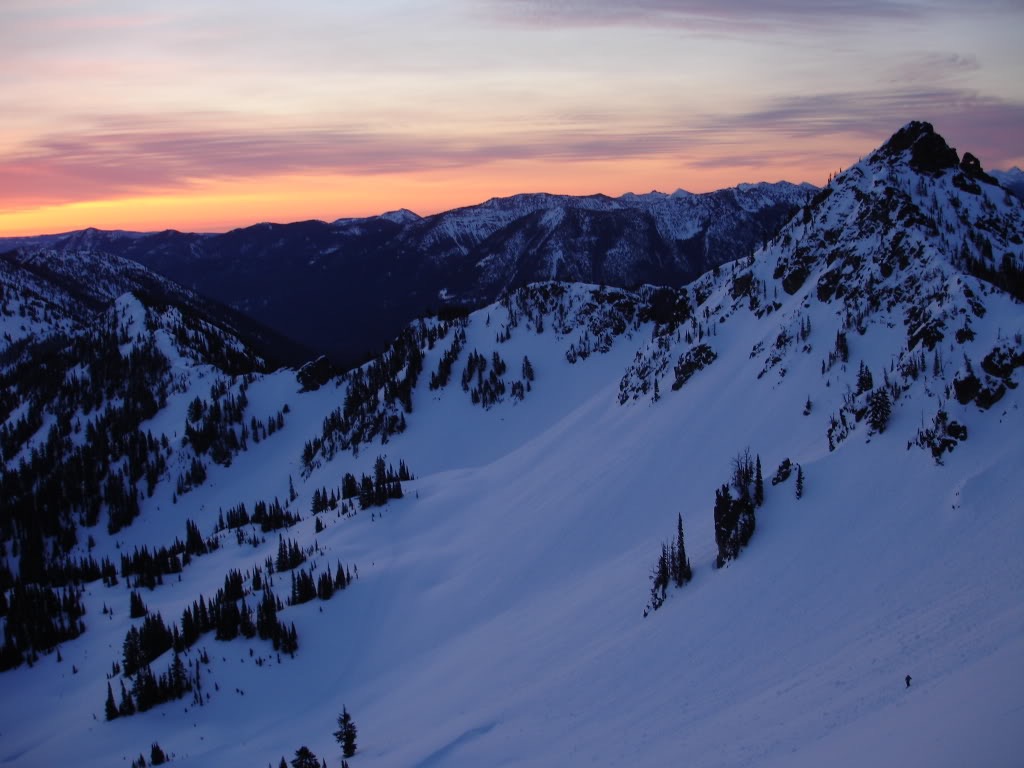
{"x": 987, "y": 126}
{"x": 728, "y": 17}
{"x": 121, "y": 157}
{"x": 706, "y": 15}
{"x": 125, "y": 156}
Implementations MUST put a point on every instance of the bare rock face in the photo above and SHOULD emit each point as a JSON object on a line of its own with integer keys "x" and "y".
{"x": 929, "y": 152}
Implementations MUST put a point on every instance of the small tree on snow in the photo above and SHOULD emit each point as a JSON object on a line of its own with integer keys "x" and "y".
{"x": 742, "y": 473}
{"x": 157, "y": 755}
{"x": 304, "y": 758}
{"x": 659, "y": 579}
{"x": 683, "y": 571}
{"x": 879, "y": 410}
{"x": 110, "y": 707}
{"x": 346, "y": 733}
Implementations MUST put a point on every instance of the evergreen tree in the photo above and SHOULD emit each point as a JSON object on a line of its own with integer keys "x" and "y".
{"x": 346, "y": 733}
{"x": 111, "y": 706}
{"x": 879, "y": 410}
{"x": 156, "y": 755}
{"x": 660, "y": 577}
{"x": 735, "y": 520}
{"x": 136, "y": 608}
{"x": 746, "y": 522}
{"x": 127, "y": 707}
{"x": 865, "y": 382}
{"x": 304, "y": 758}
{"x": 799, "y": 481}
{"x": 683, "y": 571}
{"x": 724, "y": 525}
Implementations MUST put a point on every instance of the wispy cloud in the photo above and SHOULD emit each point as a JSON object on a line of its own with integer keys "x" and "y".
{"x": 987, "y": 126}
{"x": 933, "y": 67}
{"x": 872, "y": 113}
{"x": 100, "y": 163}
{"x": 706, "y": 15}
{"x": 738, "y": 17}
{"x": 126, "y": 155}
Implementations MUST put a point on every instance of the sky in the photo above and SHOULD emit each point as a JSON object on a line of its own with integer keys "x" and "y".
{"x": 202, "y": 116}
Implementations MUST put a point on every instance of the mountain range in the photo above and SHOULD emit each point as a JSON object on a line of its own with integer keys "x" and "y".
{"x": 347, "y": 288}
{"x": 767, "y": 516}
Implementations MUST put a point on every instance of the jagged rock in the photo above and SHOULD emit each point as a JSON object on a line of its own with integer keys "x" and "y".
{"x": 971, "y": 166}
{"x": 315, "y": 374}
{"x": 691, "y": 361}
{"x": 929, "y": 152}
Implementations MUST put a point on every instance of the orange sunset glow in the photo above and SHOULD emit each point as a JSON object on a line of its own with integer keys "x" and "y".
{"x": 122, "y": 116}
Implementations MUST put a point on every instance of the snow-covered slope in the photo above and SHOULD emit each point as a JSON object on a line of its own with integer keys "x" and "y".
{"x": 32, "y": 308}
{"x": 62, "y": 289}
{"x": 498, "y": 615}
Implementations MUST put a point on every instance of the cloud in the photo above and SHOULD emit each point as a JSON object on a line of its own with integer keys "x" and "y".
{"x": 989, "y": 127}
{"x": 146, "y": 154}
{"x": 731, "y": 17}
{"x": 933, "y": 67}
{"x": 128, "y": 156}
{"x": 871, "y": 114}
{"x": 706, "y": 15}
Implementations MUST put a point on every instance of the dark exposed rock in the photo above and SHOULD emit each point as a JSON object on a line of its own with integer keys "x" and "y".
{"x": 929, "y": 152}
{"x": 971, "y": 166}
{"x": 315, "y": 374}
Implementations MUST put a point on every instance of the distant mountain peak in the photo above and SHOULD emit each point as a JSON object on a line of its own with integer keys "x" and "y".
{"x": 401, "y": 216}
{"x": 1011, "y": 180}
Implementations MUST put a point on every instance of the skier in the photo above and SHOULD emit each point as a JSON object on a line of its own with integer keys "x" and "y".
{"x": 908, "y": 679}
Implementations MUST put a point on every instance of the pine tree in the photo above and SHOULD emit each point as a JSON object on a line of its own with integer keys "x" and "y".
{"x": 662, "y": 576}
{"x": 156, "y": 755}
{"x": 304, "y": 758}
{"x": 684, "y": 573}
{"x": 111, "y": 706}
{"x": 799, "y": 481}
{"x": 127, "y": 707}
{"x": 865, "y": 382}
{"x": 346, "y": 733}
{"x": 724, "y": 524}
{"x": 136, "y": 608}
{"x": 879, "y": 410}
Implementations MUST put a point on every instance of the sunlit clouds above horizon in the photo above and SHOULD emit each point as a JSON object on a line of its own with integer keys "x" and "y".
{"x": 206, "y": 116}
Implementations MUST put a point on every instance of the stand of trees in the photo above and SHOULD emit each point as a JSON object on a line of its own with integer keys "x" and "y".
{"x": 673, "y": 567}
{"x": 735, "y": 519}
{"x": 375, "y": 491}
{"x": 37, "y": 619}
